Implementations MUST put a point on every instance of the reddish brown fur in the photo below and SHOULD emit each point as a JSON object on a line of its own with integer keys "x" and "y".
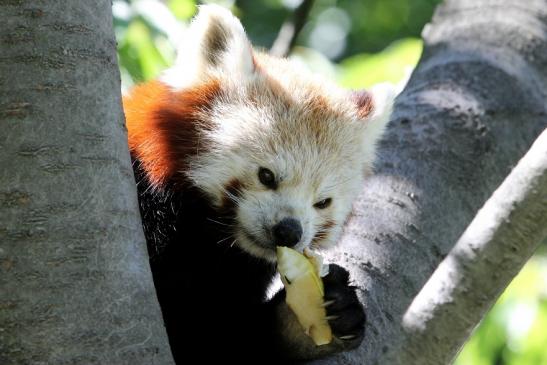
{"x": 318, "y": 104}
{"x": 363, "y": 100}
{"x": 323, "y": 231}
{"x": 317, "y": 107}
{"x": 163, "y": 124}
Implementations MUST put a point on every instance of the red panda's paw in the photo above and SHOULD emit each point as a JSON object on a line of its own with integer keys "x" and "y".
{"x": 345, "y": 313}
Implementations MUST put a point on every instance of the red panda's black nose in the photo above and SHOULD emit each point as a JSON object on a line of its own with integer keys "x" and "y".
{"x": 287, "y": 232}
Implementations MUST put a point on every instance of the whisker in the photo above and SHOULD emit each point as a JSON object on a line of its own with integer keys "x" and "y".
{"x": 224, "y": 239}
{"x": 222, "y": 224}
{"x": 332, "y": 186}
{"x": 233, "y": 197}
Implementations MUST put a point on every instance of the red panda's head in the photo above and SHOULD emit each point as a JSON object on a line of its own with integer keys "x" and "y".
{"x": 287, "y": 151}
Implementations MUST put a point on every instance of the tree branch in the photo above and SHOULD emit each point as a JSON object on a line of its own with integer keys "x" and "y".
{"x": 290, "y": 29}
{"x": 495, "y": 246}
{"x": 470, "y": 111}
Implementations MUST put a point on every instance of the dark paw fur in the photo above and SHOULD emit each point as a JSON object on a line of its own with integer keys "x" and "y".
{"x": 344, "y": 311}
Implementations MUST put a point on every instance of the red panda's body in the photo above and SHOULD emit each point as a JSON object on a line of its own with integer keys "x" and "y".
{"x": 234, "y": 153}
{"x": 211, "y": 295}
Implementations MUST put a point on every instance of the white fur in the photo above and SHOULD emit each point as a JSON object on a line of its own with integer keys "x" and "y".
{"x": 265, "y": 118}
{"x": 383, "y": 96}
{"x": 192, "y": 64}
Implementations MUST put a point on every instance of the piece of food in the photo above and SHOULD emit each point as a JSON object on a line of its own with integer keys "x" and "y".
{"x": 304, "y": 291}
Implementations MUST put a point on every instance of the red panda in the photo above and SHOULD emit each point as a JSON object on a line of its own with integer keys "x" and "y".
{"x": 236, "y": 152}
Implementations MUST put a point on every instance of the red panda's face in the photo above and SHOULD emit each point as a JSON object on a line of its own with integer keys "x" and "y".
{"x": 285, "y": 151}
{"x": 288, "y": 206}
{"x": 287, "y": 170}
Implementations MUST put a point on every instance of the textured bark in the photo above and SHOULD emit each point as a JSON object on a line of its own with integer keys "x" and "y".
{"x": 492, "y": 250}
{"x": 75, "y": 286}
{"x": 472, "y": 108}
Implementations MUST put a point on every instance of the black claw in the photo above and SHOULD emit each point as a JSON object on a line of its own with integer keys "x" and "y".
{"x": 341, "y": 297}
{"x": 349, "y": 321}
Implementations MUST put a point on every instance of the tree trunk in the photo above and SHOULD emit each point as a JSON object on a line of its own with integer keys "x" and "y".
{"x": 75, "y": 285}
{"x": 474, "y": 105}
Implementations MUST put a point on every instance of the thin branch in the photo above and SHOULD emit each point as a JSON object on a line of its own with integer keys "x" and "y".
{"x": 290, "y": 29}
{"x": 491, "y": 251}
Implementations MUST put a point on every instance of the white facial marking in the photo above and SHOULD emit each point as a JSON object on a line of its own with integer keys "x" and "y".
{"x": 273, "y": 114}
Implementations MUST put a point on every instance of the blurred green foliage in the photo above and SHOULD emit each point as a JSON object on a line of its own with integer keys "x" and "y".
{"x": 340, "y": 28}
{"x": 347, "y": 32}
{"x": 392, "y": 64}
{"x": 515, "y": 330}
{"x": 358, "y": 44}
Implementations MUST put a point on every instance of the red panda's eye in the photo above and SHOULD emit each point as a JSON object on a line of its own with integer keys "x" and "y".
{"x": 267, "y": 178}
{"x": 322, "y": 204}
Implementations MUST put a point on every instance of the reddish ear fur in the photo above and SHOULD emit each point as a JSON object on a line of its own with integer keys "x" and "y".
{"x": 363, "y": 100}
{"x": 163, "y": 127}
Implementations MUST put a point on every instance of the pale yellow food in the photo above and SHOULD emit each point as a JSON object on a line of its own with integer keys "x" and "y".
{"x": 301, "y": 277}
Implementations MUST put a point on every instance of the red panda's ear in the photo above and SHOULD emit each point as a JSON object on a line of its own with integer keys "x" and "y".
{"x": 373, "y": 107}
{"x": 363, "y": 102}
{"x": 214, "y": 43}
{"x": 374, "y": 104}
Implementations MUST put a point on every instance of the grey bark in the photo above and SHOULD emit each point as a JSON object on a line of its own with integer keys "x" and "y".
{"x": 492, "y": 250}
{"x": 472, "y": 108}
{"x": 75, "y": 285}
